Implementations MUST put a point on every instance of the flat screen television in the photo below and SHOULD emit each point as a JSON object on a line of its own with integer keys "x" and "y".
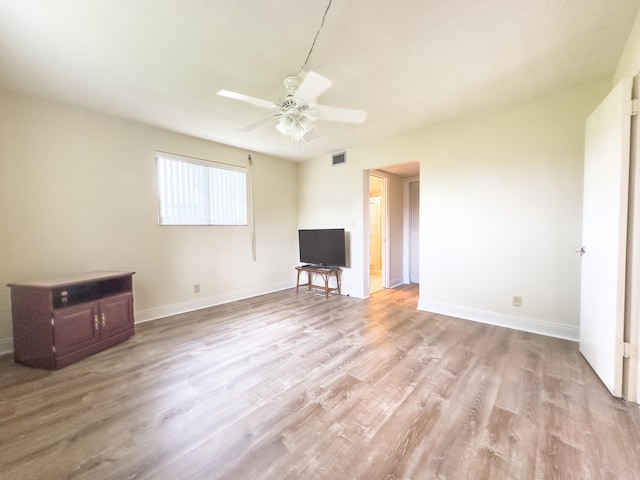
{"x": 324, "y": 247}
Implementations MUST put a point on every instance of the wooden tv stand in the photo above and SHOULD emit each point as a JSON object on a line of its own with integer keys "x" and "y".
{"x": 59, "y": 321}
{"x": 325, "y": 273}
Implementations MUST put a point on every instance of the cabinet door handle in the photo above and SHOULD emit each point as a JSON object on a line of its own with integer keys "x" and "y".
{"x": 104, "y": 320}
{"x": 95, "y": 322}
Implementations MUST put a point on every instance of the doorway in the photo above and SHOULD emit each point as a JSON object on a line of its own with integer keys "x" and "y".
{"x": 391, "y": 227}
{"x": 377, "y": 225}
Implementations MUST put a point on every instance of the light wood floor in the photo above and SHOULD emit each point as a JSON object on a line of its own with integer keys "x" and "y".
{"x": 287, "y": 386}
{"x": 375, "y": 282}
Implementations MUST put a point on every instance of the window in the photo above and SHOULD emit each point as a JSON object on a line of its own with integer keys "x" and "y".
{"x": 198, "y": 192}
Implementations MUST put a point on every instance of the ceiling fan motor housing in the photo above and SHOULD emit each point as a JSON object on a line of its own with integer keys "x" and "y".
{"x": 291, "y": 104}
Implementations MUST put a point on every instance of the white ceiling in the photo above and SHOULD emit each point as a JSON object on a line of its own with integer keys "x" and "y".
{"x": 409, "y": 63}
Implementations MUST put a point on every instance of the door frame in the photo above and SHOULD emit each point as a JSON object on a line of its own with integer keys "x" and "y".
{"x": 630, "y": 369}
{"x": 384, "y": 214}
{"x": 406, "y": 248}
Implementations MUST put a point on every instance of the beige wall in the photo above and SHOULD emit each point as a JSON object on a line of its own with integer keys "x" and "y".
{"x": 500, "y": 209}
{"x": 629, "y": 63}
{"x": 77, "y": 193}
{"x": 502, "y": 198}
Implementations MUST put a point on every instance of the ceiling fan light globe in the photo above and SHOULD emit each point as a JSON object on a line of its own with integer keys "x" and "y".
{"x": 286, "y": 124}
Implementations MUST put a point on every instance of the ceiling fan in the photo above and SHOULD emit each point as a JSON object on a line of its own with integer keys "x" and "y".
{"x": 297, "y": 109}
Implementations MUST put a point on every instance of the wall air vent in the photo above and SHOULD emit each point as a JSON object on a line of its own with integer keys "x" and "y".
{"x": 339, "y": 158}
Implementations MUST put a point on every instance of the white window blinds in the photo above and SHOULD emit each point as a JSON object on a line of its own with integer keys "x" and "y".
{"x": 197, "y": 192}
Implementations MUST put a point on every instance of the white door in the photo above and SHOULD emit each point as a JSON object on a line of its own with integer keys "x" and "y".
{"x": 604, "y": 231}
{"x": 414, "y": 232}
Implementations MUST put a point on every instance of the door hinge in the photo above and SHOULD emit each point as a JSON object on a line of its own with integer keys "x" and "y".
{"x": 53, "y": 347}
{"x": 52, "y": 322}
{"x": 629, "y": 350}
{"x": 633, "y": 107}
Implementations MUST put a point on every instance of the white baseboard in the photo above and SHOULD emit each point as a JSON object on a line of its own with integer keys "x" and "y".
{"x": 6, "y": 345}
{"x": 540, "y": 327}
{"x": 149, "y": 314}
{"x": 141, "y": 316}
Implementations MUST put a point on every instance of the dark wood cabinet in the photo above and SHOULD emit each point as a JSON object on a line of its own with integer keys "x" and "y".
{"x": 74, "y": 328}
{"x": 60, "y": 321}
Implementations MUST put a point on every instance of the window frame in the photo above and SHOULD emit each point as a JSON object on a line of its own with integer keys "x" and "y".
{"x": 164, "y": 219}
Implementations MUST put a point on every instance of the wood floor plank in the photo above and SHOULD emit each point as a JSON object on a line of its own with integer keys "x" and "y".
{"x": 296, "y": 386}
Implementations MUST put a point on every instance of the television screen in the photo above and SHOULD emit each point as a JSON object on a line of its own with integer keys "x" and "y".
{"x": 323, "y": 247}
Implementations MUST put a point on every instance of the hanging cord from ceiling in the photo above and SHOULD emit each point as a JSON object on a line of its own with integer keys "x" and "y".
{"x": 315, "y": 38}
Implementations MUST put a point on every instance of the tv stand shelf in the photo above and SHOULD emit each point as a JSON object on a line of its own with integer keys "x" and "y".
{"x": 325, "y": 273}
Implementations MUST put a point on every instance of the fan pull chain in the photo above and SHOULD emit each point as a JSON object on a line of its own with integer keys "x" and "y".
{"x": 315, "y": 38}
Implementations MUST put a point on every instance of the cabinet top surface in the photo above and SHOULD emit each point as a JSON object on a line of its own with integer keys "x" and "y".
{"x": 72, "y": 279}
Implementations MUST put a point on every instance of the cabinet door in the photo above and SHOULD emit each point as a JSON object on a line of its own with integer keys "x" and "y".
{"x": 75, "y": 327}
{"x": 116, "y": 314}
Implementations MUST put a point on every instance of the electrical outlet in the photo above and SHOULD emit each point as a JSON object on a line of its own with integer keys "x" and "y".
{"x": 517, "y": 301}
{"x": 196, "y": 288}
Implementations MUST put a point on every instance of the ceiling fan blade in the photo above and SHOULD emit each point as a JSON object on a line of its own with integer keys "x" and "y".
{"x": 258, "y": 102}
{"x": 311, "y": 135}
{"x": 260, "y": 123}
{"x": 339, "y": 114}
{"x": 313, "y": 85}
